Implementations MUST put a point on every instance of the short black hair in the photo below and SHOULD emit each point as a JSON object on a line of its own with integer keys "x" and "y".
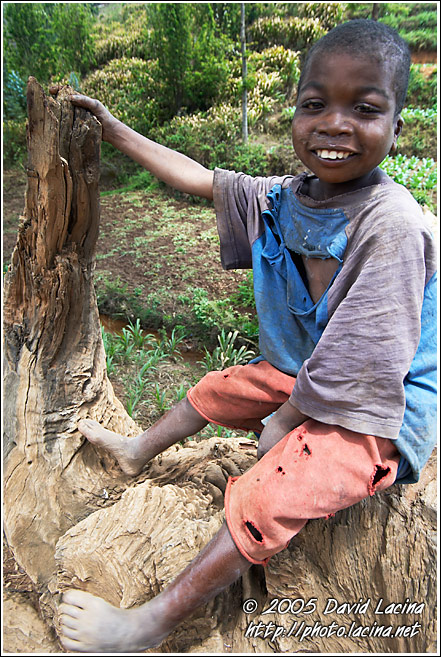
{"x": 371, "y": 39}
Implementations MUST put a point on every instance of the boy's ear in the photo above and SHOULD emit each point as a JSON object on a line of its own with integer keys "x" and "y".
{"x": 399, "y": 122}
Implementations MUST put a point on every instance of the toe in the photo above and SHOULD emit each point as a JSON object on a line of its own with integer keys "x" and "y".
{"x": 68, "y": 621}
{"x": 87, "y": 425}
{"x": 71, "y": 645}
{"x": 77, "y": 598}
{"x": 66, "y": 609}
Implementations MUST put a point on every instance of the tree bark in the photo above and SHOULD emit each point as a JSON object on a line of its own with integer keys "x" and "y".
{"x": 72, "y": 519}
{"x": 375, "y": 11}
{"x": 55, "y": 369}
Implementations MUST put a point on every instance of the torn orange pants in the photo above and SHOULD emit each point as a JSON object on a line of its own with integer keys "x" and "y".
{"x": 314, "y": 471}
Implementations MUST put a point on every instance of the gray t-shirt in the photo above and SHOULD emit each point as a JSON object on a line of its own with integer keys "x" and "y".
{"x": 370, "y": 330}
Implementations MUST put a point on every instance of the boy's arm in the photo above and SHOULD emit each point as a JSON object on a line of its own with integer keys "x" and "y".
{"x": 284, "y": 420}
{"x": 173, "y": 168}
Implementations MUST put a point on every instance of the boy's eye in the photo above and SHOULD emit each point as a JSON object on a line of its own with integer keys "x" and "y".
{"x": 312, "y": 104}
{"x": 364, "y": 108}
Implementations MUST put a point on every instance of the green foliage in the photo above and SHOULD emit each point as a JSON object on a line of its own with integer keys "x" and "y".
{"x": 122, "y": 33}
{"x": 47, "y": 39}
{"x": 272, "y": 75}
{"x": 422, "y": 90}
{"x": 419, "y": 176}
{"x": 14, "y": 95}
{"x": 171, "y": 46}
{"x": 245, "y": 292}
{"x": 292, "y": 32}
{"x": 214, "y": 315}
{"x": 141, "y": 180}
{"x": 209, "y": 69}
{"x": 14, "y": 141}
{"x": 419, "y": 136}
{"x": 416, "y": 22}
{"x": 213, "y": 138}
{"x": 128, "y": 89}
{"x": 226, "y": 354}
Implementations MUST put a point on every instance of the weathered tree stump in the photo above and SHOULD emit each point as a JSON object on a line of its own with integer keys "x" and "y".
{"x": 71, "y": 517}
{"x": 55, "y": 362}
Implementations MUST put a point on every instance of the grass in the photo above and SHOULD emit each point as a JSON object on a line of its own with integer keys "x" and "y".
{"x": 139, "y": 361}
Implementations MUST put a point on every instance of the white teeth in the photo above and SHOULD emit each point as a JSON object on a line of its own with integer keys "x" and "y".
{"x": 333, "y": 155}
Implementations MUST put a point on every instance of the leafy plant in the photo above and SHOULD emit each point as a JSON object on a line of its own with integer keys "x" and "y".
{"x": 48, "y": 39}
{"x": 422, "y": 90}
{"x": 412, "y": 172}
{"x": 226, "y": 354}
{"x": 170, "y": 345}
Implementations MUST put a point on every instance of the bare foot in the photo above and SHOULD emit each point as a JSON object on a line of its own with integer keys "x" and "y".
{"x": 90, "y": 624}
{"x": 125, "y": 450}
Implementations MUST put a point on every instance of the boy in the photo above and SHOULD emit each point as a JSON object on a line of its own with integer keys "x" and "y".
{"x": 344, "y": 391}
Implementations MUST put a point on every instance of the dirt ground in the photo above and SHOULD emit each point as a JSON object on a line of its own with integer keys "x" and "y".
{"x": 161, "y": 247}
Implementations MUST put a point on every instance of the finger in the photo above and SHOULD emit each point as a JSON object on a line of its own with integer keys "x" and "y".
{"x": 86, "y": 102}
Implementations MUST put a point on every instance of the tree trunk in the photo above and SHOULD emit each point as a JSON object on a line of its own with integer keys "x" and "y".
{"x": 375, "y": 11}
{"x": 72, "y": 519}
{"x": 55, "y": 369}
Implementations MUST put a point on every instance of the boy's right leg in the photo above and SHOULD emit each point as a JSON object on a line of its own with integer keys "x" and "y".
{"x": 132, "y": 454}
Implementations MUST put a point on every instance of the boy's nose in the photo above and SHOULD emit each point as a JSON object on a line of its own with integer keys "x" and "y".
{"x": 334, "y": 123}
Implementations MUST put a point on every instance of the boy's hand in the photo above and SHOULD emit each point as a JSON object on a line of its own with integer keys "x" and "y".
{"x": 107, "y": 120}
{"x": 284, "y": 420}
{"x": 172, "y": 167}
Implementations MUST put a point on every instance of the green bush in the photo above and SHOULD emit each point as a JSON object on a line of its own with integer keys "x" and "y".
{"x": 419, "y": 136}
{"x": 419, "y": 176}
{"x": 213, "y": 139}
{"x": 118, "y": 46}
{"x": 14, "y": 141}
{"x": 128, "y": 89}
{"x": 48, "y": 39}
{"x": 291, "y": 32}
{"x": 422, "y": 90}
{"x": 14, "y": 95}
{"x": 329, "y": 14}
{"x": 416, "y": 22}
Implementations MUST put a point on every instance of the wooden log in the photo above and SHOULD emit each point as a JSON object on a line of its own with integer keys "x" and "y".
{"x": 55, "y": 368}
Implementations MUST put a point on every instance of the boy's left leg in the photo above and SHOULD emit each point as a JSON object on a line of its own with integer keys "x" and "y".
{"x": 89, "y": 624}
{"x": 314, "y": 471}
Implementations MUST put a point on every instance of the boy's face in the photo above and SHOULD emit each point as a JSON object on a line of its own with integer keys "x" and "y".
{"x": 344, "y": 122}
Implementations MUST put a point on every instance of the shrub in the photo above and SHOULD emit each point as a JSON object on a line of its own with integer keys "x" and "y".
{"x": 213, "y": 139}
{"x": 419, "y": 136}
{"x": 418, "y": 175}
{"x": 14, "y": 141}
{"x": 118, "y": 46}
{"x": 422, "y": 89}
{"x": 14, "y": 95}
{"x": 292, "y": 32}
{"x": 329, "y": 14}
{"x": 127, "y": 88}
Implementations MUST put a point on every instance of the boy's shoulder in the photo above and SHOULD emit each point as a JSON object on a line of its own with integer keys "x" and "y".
{"x": 241, "y": 185}
{"x": 394, "y": 205}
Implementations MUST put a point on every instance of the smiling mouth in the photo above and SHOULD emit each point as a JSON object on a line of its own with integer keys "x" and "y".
{"x": 326, "y": 154}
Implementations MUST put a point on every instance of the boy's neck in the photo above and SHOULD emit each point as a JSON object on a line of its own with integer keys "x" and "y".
{"x": 320, "y": 190}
